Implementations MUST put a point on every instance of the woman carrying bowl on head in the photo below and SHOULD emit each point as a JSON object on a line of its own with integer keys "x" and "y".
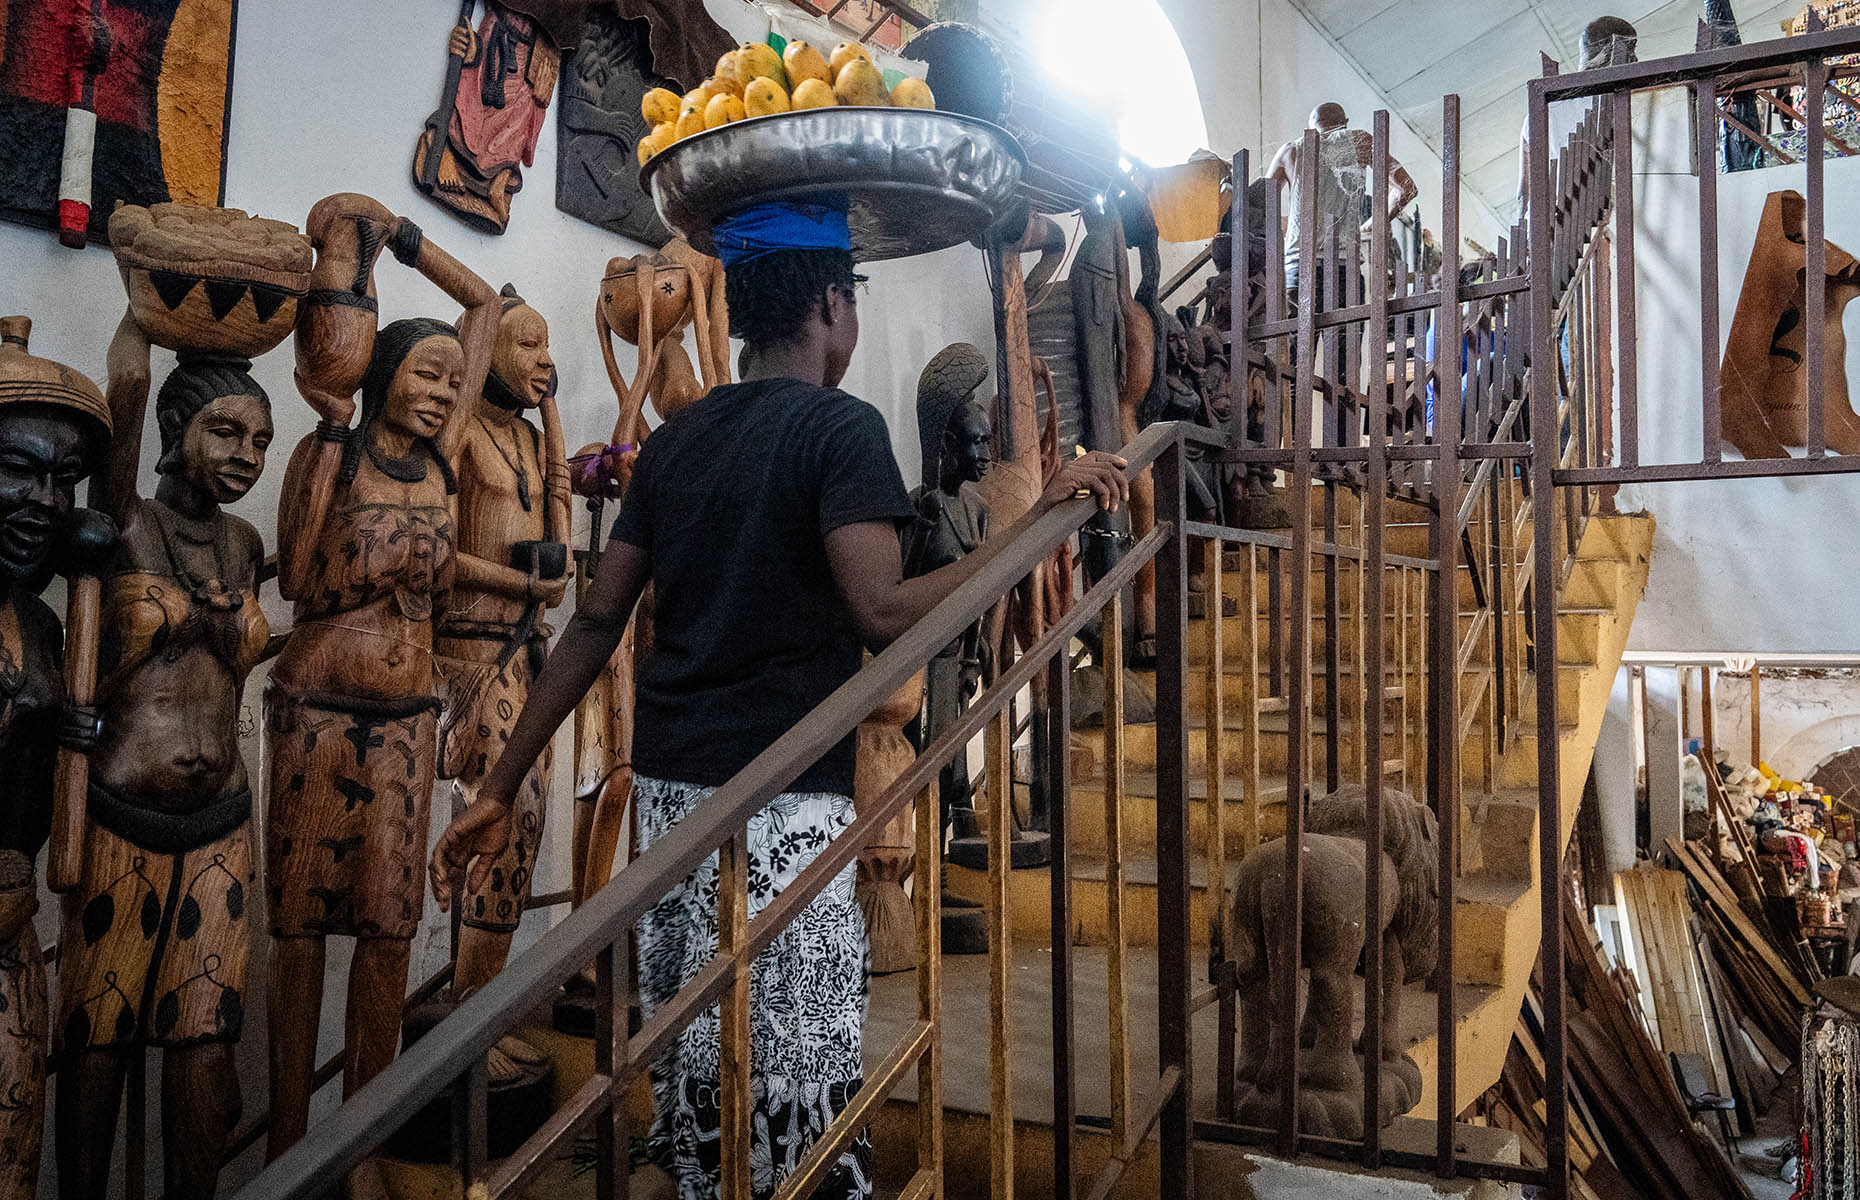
{"x": 156, "y": 935}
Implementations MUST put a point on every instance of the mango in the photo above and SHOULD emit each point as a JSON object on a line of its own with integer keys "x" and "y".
{"x": 844, "y": 53}
{"x": 722, "y": 110}
{"x": 662, "y": 135}
{"x": 804, "y": 62}
{"x": 697, "y": 98}
{"x": 690, "y": 121}
{"x": 659, "y": 106}
{"x": 726, "y": 65}
{"x": 860, "y": 84}
{"x": 813, "y": 93}
{"x": 764, "y": 97}
{"x": 912, "y": 92}
{"x": 721, "y": 85}
{"x": 758, "y": 60}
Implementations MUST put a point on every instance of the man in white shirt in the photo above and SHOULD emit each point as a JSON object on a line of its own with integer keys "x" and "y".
{"x": 1345, "y": 156}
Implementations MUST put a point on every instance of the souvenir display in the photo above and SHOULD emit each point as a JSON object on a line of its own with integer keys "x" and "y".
{"x": 159, "y": 867}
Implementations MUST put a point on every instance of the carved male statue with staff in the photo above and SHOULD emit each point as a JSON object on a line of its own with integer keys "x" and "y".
{"x": 53, "y": 426}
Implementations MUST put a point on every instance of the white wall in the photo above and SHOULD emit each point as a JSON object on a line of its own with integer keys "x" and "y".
{"x": 1263, "y": 66}
{"x": 1758, "y": 565}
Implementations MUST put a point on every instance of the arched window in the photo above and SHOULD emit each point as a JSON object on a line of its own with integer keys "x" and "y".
{"x": 1122, "y": 58}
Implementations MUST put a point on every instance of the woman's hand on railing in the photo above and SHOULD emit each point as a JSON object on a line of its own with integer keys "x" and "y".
{"x": 1095, "y": 473}
{"x": 475, "y": 838}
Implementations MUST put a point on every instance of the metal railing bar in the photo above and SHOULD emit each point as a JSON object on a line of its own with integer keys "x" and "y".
{"x": 922, "y": 1186}
{"x": 1149, "y": 1111}
{"x": 1174, "y": 1033}
{"x": 1371, "y": 608}
{"x": 529, "y": 1159}
{"x": 1229, "y": 1133}
{"x": 873, "y": 1091}
{"x": 875, "y": 815}
{"x": 1546, "y": 562}
{"x": 1762, "y": 468}
{"x": 1704, "y": 64}
{"x": 1443, "y": 751}
{"x": 1815, "y": 249}
{"x": 1058, "y": 775}
{"x": 1397, "y": 306}
{"x": 1280, "y": 541}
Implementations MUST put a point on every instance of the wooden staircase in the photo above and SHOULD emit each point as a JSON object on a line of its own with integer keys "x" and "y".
{"x": 1497, "y": 914}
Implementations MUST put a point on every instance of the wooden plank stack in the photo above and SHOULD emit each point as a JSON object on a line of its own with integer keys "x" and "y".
{"x": 1630, "y": 1133}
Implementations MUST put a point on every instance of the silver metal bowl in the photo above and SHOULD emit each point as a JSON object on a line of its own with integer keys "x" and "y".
{"x": 915, "y": 180}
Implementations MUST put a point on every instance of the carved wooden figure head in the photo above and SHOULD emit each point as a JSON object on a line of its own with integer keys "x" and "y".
{"x": 946, "y": 428}
{"x": 53, "y": 422}
{"x": 522, "y": 372}
{"x": 215, "y": 423}
{"x": 410, "y": 390}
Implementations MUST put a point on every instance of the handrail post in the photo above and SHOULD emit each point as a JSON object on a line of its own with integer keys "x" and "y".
{"x": 1172, "y": 848}
{"x": 1058, "y": 718}
{"x": 611, "y": 968}
{"x": 1546, "y": 569}
{"x": 1443, "y": 732}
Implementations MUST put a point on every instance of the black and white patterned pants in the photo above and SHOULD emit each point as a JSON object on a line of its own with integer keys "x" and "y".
{"x": 807, "y": 997}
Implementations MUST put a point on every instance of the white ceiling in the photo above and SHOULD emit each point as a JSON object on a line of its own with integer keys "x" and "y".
{"x": 1416, "y": 51}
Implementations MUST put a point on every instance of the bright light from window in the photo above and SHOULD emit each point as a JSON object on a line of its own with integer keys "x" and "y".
{"x": 1122, "y": 58}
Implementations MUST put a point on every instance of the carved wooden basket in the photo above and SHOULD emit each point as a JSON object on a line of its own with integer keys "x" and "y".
{"x": 210, "y": 279}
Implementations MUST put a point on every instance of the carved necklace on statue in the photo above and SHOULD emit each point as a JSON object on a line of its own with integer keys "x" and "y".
{"x": 514, "y": 463}
{"x": 210, "y": 594}
{"x": 409, "y": 468}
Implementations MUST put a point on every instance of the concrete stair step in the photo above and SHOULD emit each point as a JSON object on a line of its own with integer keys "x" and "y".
{"x": 1492, "y": 918}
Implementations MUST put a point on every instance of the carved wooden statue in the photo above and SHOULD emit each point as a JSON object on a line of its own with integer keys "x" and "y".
{"x": 952, "y": 521}
{"x": 1765, "y": 402}
{"x": 1331, "y": 937}
{"x": 512, "y": 557}
{"x": 157, "y": 931}
{"x": 499, "y": 80}
{"x": 366, "y": 550}
{"x": 648, "y": 300}
{"x": 53, "y": 425}
{"x": 884, "y": 754}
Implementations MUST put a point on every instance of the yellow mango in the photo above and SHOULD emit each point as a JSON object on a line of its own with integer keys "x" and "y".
{"x": 844, "y": 53}
{"x": 726, "y": 65}
{"x": 722, "y": 110}
{"x": 912, "y": 93}
{"x": 804, "y": 62}
{"x": 860, "y": 84}
{"x": 696, "y": 98}
{"x": 721, "y": 85}
{"x": 659, "y": 106}
{"x": 758, "y": 60}
{"x": 764, "y": 97}
{"x": 812, "y": 93}
{"x": 662, "y": 135}
{"x": 690, "y": 121}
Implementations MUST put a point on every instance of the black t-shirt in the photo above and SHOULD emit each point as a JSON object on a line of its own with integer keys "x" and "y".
{"x": 732, "y": 501}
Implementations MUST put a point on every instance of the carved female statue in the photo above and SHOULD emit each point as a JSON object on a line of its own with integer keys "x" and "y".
{"x": 156, "y": 937}
{"x": 53, "y": 424}
{"x": 169, "y": 806}
{"x": 512, "y": 567}
{"x": 366, "y": 549}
